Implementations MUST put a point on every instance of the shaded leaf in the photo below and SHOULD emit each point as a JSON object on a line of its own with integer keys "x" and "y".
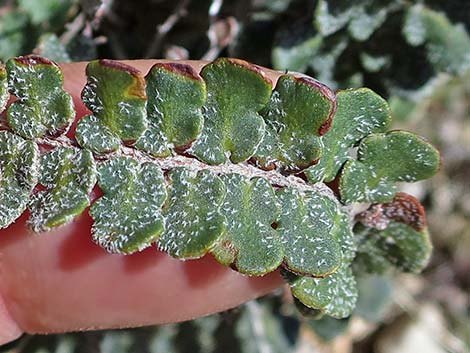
{"x": 233, "y": 129}
{"x": 192, "y": 217}
{"x": 328, "y": 328}
{"x": 370, "y": 257}
{"x": 43, "y": 107}
{"x": 305, "y": 227}
{"x": 296, "y": 57}
{"x": 364, "y": 22}
{"x": 115, "y": 93}
{"x": 249, "y": 244}
{"x": 328, "y": 22}
{"x": 395, "y": 233}
{"x": 14, "y": 26}
{"x": 298, "y": 114}
{"x": 374, "y": 63}
{"x": 447, "y": 44}
{"x": 176, "y": 95}
{"x": 45, "y": 12}
{"x": 359, "y": 113}
{"x": 127, "y": 218}
{"x": 409, "y": 250}
{"x": 19, "y": 164}
{"x": 69, "y": 175}
{"x": 375, "y": 297}
{"x": 383, "y": 160}
{"x": 260, "y": 331}
{"x": 50, "y": 47}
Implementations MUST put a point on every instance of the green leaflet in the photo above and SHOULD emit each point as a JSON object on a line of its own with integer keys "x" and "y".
{"x": 394, "y": 233}
{"x": 319, "y": 293}
{"x": 360, "y": 112}
{"x": 192, "y": 217}
{"x": 299, "y": 112}
{"x": 68, "y": 174}
{"x": 115, "y": 93}
{"x": 50, "y": 46}
{"x": 236, "y": 92}
{"x": 410, "y": 250}
{"x": 18, "y": 175}
{"x": 398, "y": 245}
{"x": 43, "y": 107}
{"x": 4, "y": 94}
{"x": 305, "y": 226}
{"x": 382, "y": 160}
{"x": 249, "y": 244}
{"x": 176, "y": 95}
{"x": 127, "y": 218}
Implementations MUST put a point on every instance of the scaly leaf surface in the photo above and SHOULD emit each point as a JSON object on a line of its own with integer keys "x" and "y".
{"x": 233, "y": 127}
{"x": 127, "y": 218}
{"x": 115, "y": 93}
{"x": 43, "y": 107}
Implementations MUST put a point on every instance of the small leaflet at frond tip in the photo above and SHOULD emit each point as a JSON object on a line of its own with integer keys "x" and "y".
{"x": 359, "y": 113}
{"x": 383, "y": 160}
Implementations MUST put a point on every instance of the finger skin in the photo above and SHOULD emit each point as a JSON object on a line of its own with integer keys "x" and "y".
{"x": 61, "y": 281}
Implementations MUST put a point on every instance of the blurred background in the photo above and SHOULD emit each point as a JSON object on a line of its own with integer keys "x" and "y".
{"x": 414, "y": 53}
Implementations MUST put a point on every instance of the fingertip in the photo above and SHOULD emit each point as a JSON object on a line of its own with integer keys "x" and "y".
{"x": 9, "y": 329}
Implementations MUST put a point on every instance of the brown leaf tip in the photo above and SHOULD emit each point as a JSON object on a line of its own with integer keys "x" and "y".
{"x": 327, "y": 93}
{"x": 31, "y": 60}
{"x": 117, "y": 65}
{"x": 249, "y": 66}
{"x": 179, "y": 68}
{"x": 403, "y": 208}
